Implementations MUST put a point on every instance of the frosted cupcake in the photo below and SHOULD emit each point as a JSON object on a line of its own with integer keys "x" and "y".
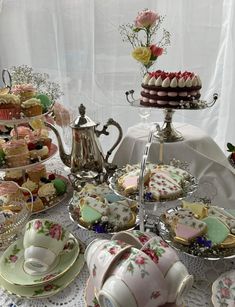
{"x": 21, "y": 132}
{"x": 9, "y": 107}
{"x": 14, "y": 175}
{"x": 25, "y": 91}
{"x": 31, "y": 107}
{"x": 37, "y": 172}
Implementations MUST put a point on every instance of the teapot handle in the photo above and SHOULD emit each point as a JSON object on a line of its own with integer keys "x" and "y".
{"x": 110, "y": 122}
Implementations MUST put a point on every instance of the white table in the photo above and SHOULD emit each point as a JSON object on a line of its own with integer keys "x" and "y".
{"x": 206, "y": 160}
{"x": 73, "y": 296}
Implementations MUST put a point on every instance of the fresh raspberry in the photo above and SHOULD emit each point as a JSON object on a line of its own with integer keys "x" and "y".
{"x": 31, "y": 146}
{"x": 51, "y": 177}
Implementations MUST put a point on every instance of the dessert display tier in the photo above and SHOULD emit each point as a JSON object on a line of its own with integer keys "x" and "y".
{"x": 160, "y": 184}
{"x": 199, "y": 230}
{"x": 24, "y": 119}
{"x": 97, "y": 208}
{"x": 168, "y": 132}
{"x": 52, "y": 152}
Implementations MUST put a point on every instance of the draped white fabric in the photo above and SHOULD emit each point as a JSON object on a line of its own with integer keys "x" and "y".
{"x": 77, "y": 42}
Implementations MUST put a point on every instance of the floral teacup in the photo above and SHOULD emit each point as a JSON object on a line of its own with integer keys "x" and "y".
{"x": 134, "y": 280}
{"x": 136, "y": 238}
{"x": 102, "y": 260}
{"x": 43, "y": 241}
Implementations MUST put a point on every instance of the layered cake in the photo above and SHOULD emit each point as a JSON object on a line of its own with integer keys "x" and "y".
{"x": 170, "y": 89}
{"x": 162, "y": 182}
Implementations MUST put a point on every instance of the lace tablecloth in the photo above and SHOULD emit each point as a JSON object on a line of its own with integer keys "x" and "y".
{"x": 73, "y": 296}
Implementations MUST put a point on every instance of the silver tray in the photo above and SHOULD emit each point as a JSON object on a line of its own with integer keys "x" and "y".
{"x": 188, "y": 189}
{"x": 166, "y": 233}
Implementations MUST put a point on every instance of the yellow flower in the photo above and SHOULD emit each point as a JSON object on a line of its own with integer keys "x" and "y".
{"x": 142, "y": 54}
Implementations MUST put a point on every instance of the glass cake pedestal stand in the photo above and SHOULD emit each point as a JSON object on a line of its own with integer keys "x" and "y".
{"x": 168, "y": 132}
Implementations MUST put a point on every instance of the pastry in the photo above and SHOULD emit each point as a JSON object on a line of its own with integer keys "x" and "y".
{"x": 37, "y": 204}
{"x": 16, "y": 153}
{"x": 9, "y": 107}
{"x": 47, "y": 193}
{"x": 37, "y": 172}
{"x": 120, "y": 215}
{"x": 24, "y": 91}
{"x": 20, "y": 132}
{"x": 60, "y": 186}
{"x": 223, "y": 216}
{"x": 14, "y": 175}
{"x": 217, "y": 231}
{"x": 31, "y": 107}
{"x": 199, "y": 209}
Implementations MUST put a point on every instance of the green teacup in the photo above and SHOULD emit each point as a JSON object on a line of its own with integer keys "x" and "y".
{"x": 43, "y": 241}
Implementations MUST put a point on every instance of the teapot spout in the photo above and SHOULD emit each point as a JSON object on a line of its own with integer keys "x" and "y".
{"x": 66, "y": 159}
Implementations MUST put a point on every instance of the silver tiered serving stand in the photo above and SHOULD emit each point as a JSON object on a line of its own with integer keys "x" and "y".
{"x": 168, "y": 132}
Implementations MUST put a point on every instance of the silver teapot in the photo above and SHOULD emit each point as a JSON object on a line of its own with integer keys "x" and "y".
{"x": 87, "y": 159}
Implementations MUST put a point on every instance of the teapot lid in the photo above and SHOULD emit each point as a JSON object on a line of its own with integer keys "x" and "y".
{"x": 82, "y": 121}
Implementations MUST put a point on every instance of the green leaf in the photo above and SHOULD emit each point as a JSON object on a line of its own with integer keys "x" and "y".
{"x": 231, "y": 148}
{"x": 136, "y": 29}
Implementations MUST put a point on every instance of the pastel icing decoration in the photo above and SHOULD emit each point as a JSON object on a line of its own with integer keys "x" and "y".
{"x": 60, "y": 186}
{"x": 90, "y": 215}
{"x": 225, "y": 217}
{"x": 45, "y": 101}
{"x": 189, "y": 228}
{"x": 120, "y": 214}
{"x": 112, "y": 197}
{"x": 217, "y": 231}
{"x": 199, "y": 209}
{"x": 96, "y": 203}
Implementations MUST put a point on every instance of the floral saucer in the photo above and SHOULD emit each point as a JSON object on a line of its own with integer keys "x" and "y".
{"x": 223, "y": 290}
{"x": 49, "y": 288}
{"x": 91, "y": 300}
{"x": 12, "y": 265}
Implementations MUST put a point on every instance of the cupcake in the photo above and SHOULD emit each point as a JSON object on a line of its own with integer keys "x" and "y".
{"x": 16, "y": 153}
{"x": 47, "y": 193}
{"x": 20, "y": 132}
{"x": 31, "y": 107}
{"x": 25, "y": 91}
{"x": 37, "y": 172}
{"x": 9, "y": 107}
{"x": 31, "y": 186}
{"x": 14, "y": 175}
{"x": 11, "y": 197}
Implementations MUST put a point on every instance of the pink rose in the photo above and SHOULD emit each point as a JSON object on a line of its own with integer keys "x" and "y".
{"x": 225, "y": 292}
{"x": 37, "y": 224}
{"x": 151, "y": 254}
{"x": 62, "y": 116}
{"x": 146, "y": 18}
{"x": 48, "y": 287}
{"x": 143, "y": 239}
{"x": 13, "y": 258}
{"x": 47, "y": 277}
{"x": 227, "y": 281}
{"x": 139, "y": 260}
{"x": 56, "y": 231}
{"x": 156, "y": 51}
{"x": 164, "y": 244}
{"x": 113, "y": 250}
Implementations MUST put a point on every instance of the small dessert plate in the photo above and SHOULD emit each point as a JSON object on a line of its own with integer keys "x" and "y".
{"x": 12, "y": 265}
{"x": 49, "y": 288}
{"x": 223, "y": 290}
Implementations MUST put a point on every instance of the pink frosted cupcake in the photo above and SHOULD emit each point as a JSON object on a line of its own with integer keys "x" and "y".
{"x": 9, "y": 107}
{"x": 21, "y": 132}
{"x": 16, "y": 153}
{"x": 25, "y": 91}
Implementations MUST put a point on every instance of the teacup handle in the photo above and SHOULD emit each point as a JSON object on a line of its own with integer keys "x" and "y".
{"x": 69, "y": 245}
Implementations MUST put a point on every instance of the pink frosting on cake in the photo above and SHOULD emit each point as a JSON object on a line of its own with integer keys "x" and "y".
{"x": 21, "y": 88}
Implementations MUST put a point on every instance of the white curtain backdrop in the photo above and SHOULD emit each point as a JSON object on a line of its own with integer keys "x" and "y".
{"x": 77, "y": 42}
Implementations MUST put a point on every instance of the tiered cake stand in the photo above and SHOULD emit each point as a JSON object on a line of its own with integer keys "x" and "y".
{"x": 169, "y": 133}
{"x": 143, "y": 203}
{"x": 53, "y": 150}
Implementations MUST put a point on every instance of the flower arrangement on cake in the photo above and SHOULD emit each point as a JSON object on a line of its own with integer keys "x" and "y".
{"x": 141, "y": 34}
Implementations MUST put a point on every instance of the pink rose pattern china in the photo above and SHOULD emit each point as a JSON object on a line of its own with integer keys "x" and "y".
{"x": 136, "y": 238}
{"x": 55, "y": 231}
{"x": 223, "y": 290}
{"x": 103, "y": 258}
{"x": 161, "y": 253}
{"x": 135, "y": 266}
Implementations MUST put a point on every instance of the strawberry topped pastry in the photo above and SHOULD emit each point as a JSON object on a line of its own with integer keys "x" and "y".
{"x": 231, "y": 148}
{"x": 170, "y": 89}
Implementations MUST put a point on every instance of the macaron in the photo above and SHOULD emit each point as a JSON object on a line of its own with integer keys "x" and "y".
{"x": 45, "y": 101}
{"x": 60, "y": 186}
